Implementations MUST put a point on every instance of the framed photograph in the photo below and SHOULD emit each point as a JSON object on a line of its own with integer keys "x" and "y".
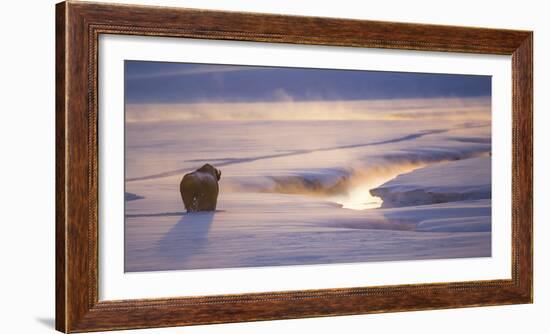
{"x": 222, "y": 167}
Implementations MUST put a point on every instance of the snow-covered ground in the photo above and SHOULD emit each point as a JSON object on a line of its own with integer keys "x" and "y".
{"x": 309, "y": 192}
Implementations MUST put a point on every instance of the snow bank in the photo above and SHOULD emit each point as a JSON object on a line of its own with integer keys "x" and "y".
{"x": 462, "y": 216}
{"x": 461, "y": 180}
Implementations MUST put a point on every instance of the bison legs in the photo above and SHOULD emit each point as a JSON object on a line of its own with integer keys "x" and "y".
{"x": 195, "y": 201}
{"x": 190, "y": 201}
{"x": 207, "y": 202}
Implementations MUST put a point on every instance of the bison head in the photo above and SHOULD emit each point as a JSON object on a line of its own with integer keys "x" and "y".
{"x": 208, "y": 168}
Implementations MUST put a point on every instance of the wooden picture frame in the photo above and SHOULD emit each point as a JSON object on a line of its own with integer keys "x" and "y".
{"x": 78, "y": 26}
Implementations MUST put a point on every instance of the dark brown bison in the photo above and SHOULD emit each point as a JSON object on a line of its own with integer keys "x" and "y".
{"x": 199, "y": 189}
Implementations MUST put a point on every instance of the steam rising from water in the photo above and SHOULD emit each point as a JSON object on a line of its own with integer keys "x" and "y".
{"x": 471, "y": 109}
{"x": 349, "y": 189}
{"x": 358, "y": 195}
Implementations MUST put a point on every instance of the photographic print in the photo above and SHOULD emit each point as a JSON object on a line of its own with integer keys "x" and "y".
{"x": 232, "y": 166}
